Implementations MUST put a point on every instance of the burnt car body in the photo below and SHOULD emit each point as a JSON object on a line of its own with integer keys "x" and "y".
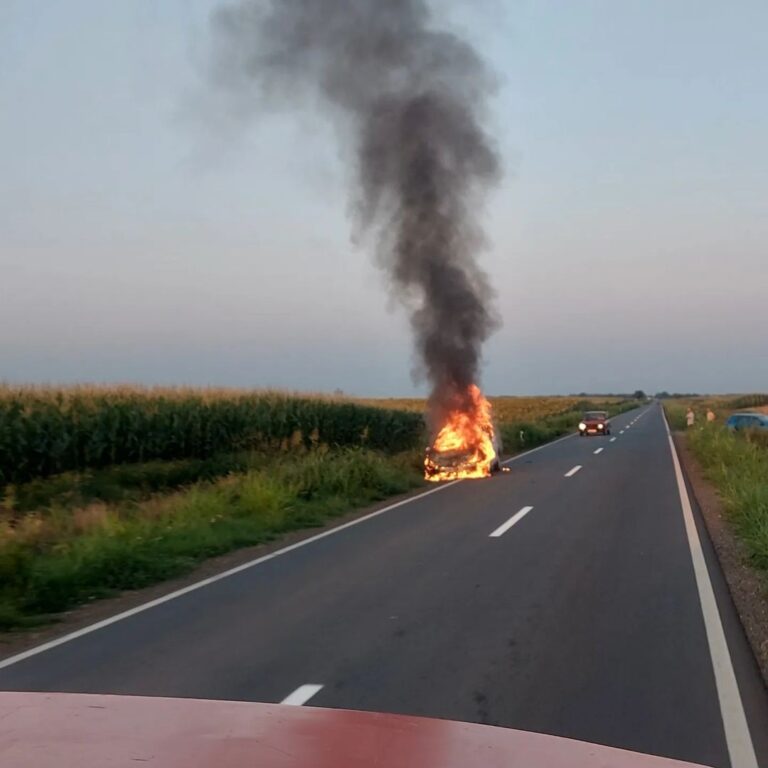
{"x": 458, "y": 462}
{"x": 595, "y": 423}
{"x": 65, "y": 730}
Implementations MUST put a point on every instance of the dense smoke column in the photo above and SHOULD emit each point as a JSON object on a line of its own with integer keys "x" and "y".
{"x": 411, "y": 101}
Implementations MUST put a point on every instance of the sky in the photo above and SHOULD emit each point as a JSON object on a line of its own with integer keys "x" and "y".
{"x": 146, "y": 237}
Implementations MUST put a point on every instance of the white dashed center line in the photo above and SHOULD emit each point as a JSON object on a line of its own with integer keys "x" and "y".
{"x": 572, "y": 472}
{"x": 599, "y": 451}
{"x": 502, "y": 529}
{"x": 613, "y": 439}
{"x": 302, "y": 695}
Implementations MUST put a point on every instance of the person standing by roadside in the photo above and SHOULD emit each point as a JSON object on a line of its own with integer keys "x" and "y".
{"x": 710, "y": 416}
{"x": 690, "y": 418}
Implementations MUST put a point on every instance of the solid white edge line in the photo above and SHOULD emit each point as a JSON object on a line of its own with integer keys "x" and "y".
{"x": 15, "y": 659}
{"x": 599, "y": 451}
{"x": 302, "y": 695}
{"x": 738, "y": 739}
{"x": 573, "y": 471}
{"x": 502, "y": 529}
{"x": 212, "y": 579}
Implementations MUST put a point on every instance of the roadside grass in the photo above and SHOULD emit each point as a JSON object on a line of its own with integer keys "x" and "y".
{"x": 122, "y": 482}
{"x": 675, "y": 414}
{"x": 737, "y": 464}
{"x": 54, "y": 560}
{"x": 722, "y": 406}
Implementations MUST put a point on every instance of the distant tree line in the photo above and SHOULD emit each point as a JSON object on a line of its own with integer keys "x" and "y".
{"x": 638, "y": 394}
{"x": 669, "y": 396}
{"x": 740, "y": 401}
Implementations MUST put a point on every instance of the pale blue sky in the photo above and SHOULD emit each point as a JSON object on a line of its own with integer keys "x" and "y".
{"x": 144, "y": 238}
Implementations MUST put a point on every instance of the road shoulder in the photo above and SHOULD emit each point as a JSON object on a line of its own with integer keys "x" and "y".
{"x": 17, "y": 641}
{"x": 747, "y": 586}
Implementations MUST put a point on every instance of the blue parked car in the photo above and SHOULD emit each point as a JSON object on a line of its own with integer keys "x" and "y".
{"x": 747, "y": 421}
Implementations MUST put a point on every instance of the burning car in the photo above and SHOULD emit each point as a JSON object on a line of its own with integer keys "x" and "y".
{"x": 467, "y": 445}
{"x": 595, "y": 423}
{"x": 464, "y": 461}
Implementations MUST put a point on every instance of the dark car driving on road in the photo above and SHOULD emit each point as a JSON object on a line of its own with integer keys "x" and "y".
{"x": 595, "y": 423}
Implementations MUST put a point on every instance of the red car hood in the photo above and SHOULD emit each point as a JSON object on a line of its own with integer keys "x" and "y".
{"x": 39, "y": 730}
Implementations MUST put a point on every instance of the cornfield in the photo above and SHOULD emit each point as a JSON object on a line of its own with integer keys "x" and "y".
{"x": 506, "y": 410}
{"x": 749, "y": 401}
{"x": 44, "y": 431}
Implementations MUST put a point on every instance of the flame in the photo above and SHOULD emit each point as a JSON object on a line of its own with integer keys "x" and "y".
{"x": 464, "y": 446}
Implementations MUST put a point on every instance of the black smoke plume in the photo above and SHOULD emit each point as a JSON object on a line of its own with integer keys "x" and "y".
{"x": 411, "y": 101}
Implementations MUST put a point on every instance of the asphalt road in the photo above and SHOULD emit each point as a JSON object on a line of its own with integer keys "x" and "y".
{"x": 582, "y": 619}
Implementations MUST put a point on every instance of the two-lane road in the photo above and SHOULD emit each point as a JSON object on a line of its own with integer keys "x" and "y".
{"x": 561, "y": 598}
